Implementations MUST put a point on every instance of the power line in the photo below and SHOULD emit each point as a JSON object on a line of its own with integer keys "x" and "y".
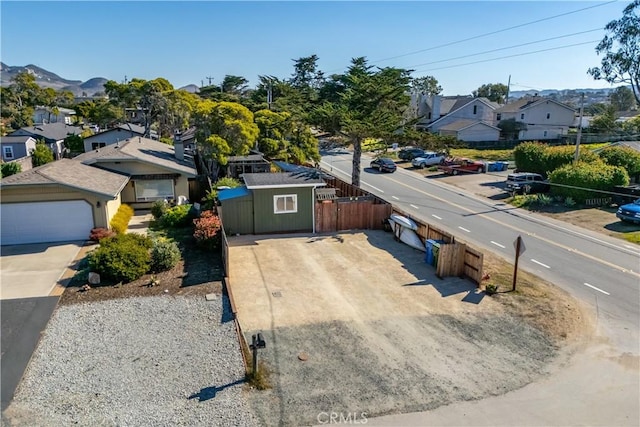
{"x": 505, "y": 48}
{"x": 494, "y": 32}
{"x": 511, "y": 56}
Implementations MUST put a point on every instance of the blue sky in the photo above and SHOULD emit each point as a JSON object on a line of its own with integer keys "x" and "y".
{"x": 185, "y": 42}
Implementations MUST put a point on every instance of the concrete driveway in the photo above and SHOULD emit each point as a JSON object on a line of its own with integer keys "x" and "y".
{"x": 33, "y": 270}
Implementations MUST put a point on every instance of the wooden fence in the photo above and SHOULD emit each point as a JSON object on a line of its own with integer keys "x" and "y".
{"x": 454, "y": 258}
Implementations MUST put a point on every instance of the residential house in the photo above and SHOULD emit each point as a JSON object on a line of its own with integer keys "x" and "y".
{"x": 16, "y": 147}
{"x": 43, "y": 115}
{"x": 156, "y": 170}
{"x": 282, "y": 202}
{"x": 63, "y": 200}
{"x": 466, "y": 118}
{"x": 544, "y": 118}
{"x": 252, "y": 163}
{"x": 53, "y": 135}
{"x": 58, "y": 201}
{"x": 112, "y": 136}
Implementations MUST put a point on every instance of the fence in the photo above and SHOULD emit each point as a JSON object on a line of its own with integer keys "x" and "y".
{"x": 454, "y": 258}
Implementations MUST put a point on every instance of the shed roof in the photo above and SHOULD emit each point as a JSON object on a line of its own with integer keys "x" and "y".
{"x": 282, "y": 180}
{"x": 233, "y": 193}
{"x": 72, "y": 174}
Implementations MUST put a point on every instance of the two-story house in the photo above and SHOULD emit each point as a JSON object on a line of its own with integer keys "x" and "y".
{"x": 542, "y": 118}
{"x": 465, "y": 118}
{"x": 53, "y": 115}
{"x": 112, "y": 136}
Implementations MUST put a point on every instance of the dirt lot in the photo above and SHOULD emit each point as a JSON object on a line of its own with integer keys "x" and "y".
{"x": 381, "y": 333}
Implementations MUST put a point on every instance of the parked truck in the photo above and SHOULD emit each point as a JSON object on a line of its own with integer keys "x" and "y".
{"x": 457, "y": 165}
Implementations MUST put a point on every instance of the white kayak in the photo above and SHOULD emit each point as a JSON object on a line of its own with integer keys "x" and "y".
{"x": 404, "y": 221}
{"x": 407, "y": 236}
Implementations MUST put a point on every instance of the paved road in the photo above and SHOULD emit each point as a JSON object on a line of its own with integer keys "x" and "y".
{"x": 597, "y": 269}
{"x": 22, "y": 322}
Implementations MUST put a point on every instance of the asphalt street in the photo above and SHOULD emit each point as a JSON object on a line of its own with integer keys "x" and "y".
{"x": 22, "y": 322}
{"x": 602, "y": 271}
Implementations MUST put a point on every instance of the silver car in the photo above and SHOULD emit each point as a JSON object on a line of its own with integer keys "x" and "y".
{"x": 429, "y": 158}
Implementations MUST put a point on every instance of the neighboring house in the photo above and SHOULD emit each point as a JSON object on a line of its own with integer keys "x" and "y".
{"x": 16, "y": 147}
{"x": 470, "y": 130}
{"x": 135, "y": 115}
{"x": 432, "y": 108}
{"x": 112, "y": 136}
{"x": 43, "y": 115}
{"x": 253, "y": 163}
{"x": 544, "y": 118}
{"x": 53, "y": 135}
{"x": 469, "y": 119}
{"x": 156, "y": 170}
{"x": 59, "y": 201}
{"x": 623, "y": 116}
{"x": 281, "y": 202}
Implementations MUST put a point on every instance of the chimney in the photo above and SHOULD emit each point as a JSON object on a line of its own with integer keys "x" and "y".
{"x": 178, "y": 145}
{"x": 435, "y": 107}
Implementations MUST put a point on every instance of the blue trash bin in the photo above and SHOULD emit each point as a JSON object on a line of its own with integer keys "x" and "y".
{"x": 429, "y": 246}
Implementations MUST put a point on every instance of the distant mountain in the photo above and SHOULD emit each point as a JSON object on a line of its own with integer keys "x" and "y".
{"x": 46, "y": 79}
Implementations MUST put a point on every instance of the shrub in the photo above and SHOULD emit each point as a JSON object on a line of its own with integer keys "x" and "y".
{"x": 597, "y": 176}
{"x": 165, "y": 254}
{"x": 120, "y": 220}
{"x": 100, "y": 233}
{"x": 8, "y": 169}
{"x": 122, "y": 258}
{"x": 207, "y": 230}
{"x": 530, "y": 157}
{"x": 556, "y": 157}
{"x": 544, "y": 199}
{"x": 569, "y": 202}
{"x": 158, "y": 208}
{"x": 177, "y": 216}
{"x": 625, "y": 157}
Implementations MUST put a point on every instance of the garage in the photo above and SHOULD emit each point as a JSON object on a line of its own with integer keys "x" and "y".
{"x": 39, "y": 222}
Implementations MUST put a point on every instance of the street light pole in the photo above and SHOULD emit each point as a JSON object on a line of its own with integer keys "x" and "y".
{"x": 577, "y": 153}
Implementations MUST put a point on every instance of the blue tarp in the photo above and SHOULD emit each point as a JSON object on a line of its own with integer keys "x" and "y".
{"x": 233, "y": 193}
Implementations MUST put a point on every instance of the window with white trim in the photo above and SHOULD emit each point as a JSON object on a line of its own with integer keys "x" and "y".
{"x": 154, "y": 190}
{"x": 96, "y": 145}
{"x": 285, "y": 203}
{"x": 7, "y": 152}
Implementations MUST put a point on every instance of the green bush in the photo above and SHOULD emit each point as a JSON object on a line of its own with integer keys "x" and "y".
{"x": 123, "y": 258}
{"x": 8, "y": 169}
{"x": 120, "y": 220}
{"x": 597, "y": 176}
{"x": 158, "y": 208}
{"x": 165, "y": 254}
{"x": 555, "y": 157}
{"x": 177, "y": 216}
{"x": 544, "y": 200}
{"x": 530, "y": 157}
{"x": 625, "y": 157}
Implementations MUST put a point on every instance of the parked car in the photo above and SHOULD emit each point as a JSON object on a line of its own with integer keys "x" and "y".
{"x": 410, "y": 153}
{"x": 527, "y": 183}
{"x": 457, "y": 165}
{"x": 429, "y": 158}
{"x": 630, "y": 212}
{"x": 384, "y": 164}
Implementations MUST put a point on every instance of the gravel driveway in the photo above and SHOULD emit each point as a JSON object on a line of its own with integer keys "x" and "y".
{"x": 152, "y": 361}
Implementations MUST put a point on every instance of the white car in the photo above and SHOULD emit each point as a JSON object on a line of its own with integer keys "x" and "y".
{"x": 429, "y": 158}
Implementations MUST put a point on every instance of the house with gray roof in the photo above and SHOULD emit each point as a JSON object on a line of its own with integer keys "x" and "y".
{"x": 16, "y": 147}
{"x": 53, "y": 135}
{"x": 112, "y": 136}
{"x": 282, "y": 202}
{"x": 543, "y": 118}
{"x": 44, "y": 114}
{"x": 156, "y": 170}
{"x": 466, "y": 118}
{"x": 59, "y": 201}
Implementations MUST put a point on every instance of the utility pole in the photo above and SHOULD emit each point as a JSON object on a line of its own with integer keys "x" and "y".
{"x": 269, "y": 95}
{"x": 577, "y": 153}
{"x": 506, "y": 100}
{"x": 209, "y": 78}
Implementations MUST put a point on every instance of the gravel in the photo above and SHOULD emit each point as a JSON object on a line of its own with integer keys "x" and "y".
{"x": 160, "y": 361}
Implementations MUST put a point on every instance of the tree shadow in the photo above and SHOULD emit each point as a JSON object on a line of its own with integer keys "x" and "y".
{"x": 209, "y": 393}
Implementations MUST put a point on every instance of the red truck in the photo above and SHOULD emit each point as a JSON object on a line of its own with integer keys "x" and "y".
{"x": 457, "y": 165}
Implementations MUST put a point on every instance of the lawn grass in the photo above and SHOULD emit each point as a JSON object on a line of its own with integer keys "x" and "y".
{"x": 490, "y": 155}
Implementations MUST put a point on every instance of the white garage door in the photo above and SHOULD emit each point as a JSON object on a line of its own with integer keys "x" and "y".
{"x": 45, "y": 222}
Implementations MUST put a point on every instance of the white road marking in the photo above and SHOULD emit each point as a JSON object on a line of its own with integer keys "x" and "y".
{"x": 464, "y": 229}
{"x": 435, "y": 216}
{"x": 414, "y": 206}
{"x": 539, "y": 263}
{"x": 395, "y": 197}
{"x": 597, "y": 289}
{"x": 375, "y": 188}
{"x": 498, "y": 244}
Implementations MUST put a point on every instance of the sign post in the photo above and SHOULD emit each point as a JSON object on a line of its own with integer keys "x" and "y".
{"x": 520, "y": 248}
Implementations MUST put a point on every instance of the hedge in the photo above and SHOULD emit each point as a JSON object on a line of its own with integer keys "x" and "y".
{"x": 625, "y": 157}
{"x": 597, "y": 176}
